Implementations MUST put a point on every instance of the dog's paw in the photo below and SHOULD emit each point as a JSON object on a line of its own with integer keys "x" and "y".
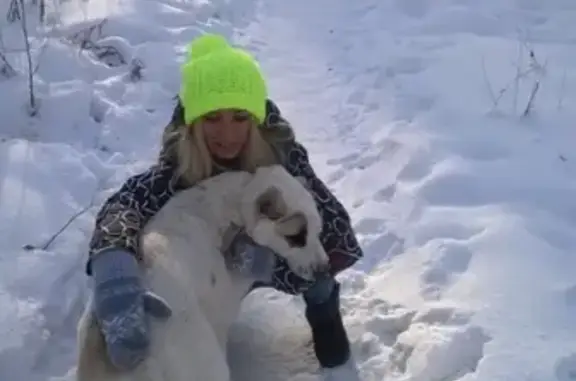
{"x": 307, "y": 266}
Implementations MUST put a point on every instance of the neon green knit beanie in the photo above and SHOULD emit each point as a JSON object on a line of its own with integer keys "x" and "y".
{"x": 219, "y": 76}
{"x": 204, "y": 44}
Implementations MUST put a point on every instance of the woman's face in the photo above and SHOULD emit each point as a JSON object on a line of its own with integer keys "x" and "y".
{"x": 226, "y": 132}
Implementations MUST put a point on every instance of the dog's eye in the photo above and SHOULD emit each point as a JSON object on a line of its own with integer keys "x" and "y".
{"x": 298, "y": 239}
{"x": 266, "y": 208}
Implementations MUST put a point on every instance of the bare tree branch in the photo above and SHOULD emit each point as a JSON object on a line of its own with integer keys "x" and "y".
{"x": 33, "y": 109}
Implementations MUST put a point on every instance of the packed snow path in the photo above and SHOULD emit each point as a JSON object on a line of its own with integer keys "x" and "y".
{"x": 410, "y": 112}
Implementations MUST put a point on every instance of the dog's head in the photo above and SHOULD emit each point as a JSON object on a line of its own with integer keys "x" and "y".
{"x": 279, "y": 212}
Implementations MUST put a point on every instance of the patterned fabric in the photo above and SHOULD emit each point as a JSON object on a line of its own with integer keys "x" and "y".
{"x": 123, "y": 215}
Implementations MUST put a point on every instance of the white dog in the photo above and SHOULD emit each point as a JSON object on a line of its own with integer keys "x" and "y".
{"x": 182, "y": 249}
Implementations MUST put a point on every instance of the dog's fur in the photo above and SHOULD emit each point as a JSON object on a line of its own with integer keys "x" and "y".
{"x": 184, "y": 264}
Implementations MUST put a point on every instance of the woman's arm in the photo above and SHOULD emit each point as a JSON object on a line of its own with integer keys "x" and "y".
{"x": 124, "y": 214}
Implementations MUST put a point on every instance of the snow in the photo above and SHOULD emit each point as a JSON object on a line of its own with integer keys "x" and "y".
{"x": 412, "y": 112}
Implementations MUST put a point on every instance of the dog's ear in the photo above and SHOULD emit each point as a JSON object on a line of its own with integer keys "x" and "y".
{"x": 271, "y": 204}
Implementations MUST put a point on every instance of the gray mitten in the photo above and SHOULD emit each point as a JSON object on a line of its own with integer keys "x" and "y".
{"x": 121, "y": 305}
{"x": 246, "y": 257}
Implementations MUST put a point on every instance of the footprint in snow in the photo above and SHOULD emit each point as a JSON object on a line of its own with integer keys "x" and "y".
{"x": 431, "y": 352}
{"x": 438, "y": 344}
{"x": 345, "y": 161}
{"x": 384, "y": 247}
{"x": 413, "y": 8}
{"x": 370, "y": 226}
{"x": 565, "y": 368}
{"x": 570, "y": 296}
{"x": 405, "y": 66}
{"x": 448, "y": 261}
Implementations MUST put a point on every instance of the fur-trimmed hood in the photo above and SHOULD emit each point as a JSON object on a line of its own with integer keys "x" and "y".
{"x": 275, "y": 130}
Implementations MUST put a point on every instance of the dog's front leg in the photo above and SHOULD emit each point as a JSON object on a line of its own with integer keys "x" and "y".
{"x": 187, "y": 349}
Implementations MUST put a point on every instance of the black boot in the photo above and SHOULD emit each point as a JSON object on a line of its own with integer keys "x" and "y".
{"x": 328, "y": 333}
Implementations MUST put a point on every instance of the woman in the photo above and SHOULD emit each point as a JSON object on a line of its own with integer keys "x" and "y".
{"x": 223, "y": 122}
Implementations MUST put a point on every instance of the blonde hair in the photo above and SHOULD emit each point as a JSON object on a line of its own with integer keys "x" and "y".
{"x": 194, "y": 162}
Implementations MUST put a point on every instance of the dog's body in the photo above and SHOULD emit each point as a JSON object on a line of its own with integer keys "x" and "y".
{"x": 183, "y": 261}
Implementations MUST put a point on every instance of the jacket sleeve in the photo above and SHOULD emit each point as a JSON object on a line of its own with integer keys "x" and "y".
{"x": 337, "y": 237}
{"x": 120, "y": 219}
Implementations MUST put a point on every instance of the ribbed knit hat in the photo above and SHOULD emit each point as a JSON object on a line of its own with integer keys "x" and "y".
{"x": 204, "y": 44}
{"x": 218, "y": 76}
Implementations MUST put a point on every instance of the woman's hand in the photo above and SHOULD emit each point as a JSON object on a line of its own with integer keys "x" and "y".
{"x": 246, "y": 257}
{"x": 122, "y": 306}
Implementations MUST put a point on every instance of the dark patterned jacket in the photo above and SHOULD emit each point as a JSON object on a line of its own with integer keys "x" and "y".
{"x": 123, "y": 215}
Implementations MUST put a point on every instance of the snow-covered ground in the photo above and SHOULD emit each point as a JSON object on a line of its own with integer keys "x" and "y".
{"x": 413, "y": 113}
